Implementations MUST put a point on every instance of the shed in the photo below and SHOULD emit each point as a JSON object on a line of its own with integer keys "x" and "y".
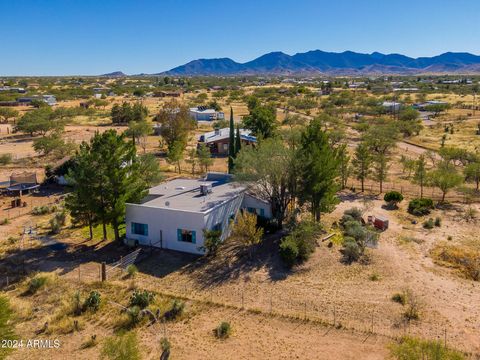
{"x": 380, "y": 222}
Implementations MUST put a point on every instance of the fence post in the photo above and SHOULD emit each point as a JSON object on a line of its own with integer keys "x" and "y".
{"x": 79, "y": 276}
{"x": 334, "y": 316}
{"x": 445, "y": 338}
{"x": 104, "y": 271}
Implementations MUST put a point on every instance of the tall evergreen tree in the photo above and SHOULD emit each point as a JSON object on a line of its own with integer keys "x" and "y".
{"x": 238, "y": 142}
{"x": 231, "y": 144}
{"x": 107, "y": 176}
{"x": 320, "y": 167}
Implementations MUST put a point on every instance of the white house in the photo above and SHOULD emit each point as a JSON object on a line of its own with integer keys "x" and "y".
{"x": 391, "y": 106}
{"x": 174, "y": 214}
{"x": 201, "y": 113}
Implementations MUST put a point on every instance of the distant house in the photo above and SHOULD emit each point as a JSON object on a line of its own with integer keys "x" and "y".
{"x": 48, "y": 99}
{"x": 175, "y": 214}
{"x": 202, "y": 113}
{"x": 167, "y": 94}
{"x": 219, "y": 139}
{"x": 392, "y": 106}
{"x": 424, "y": 106}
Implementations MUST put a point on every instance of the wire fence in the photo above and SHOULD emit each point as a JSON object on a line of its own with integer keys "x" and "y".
{"x": 323, "y": 310}
{"x": 414, "y": 191}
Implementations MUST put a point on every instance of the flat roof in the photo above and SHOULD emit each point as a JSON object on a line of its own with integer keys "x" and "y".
{"x": 224, "y": 133}
{"x": 184, "y": 194}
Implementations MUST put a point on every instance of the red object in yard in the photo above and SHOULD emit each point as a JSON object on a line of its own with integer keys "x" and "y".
{"x": 380, "y": 223}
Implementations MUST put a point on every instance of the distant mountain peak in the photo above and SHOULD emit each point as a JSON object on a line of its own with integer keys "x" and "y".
{"x": 321, "y": 62}
{"x": 114, "y": 74}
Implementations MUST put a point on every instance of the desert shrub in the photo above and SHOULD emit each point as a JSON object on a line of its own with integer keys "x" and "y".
{"x": 354, "y": 214}
{"x": 54, "y": 226}
{"x": 428, "y": 224}
{"x": 5, "y": 159}
{"x": 212, "y": 241}
{"x": 288, "y": 251}
{"x": 121, "y": 347}
{"x": 409, "y": 348}
{"x": 299, "y": 245}
{"x": 132, "y": 270}
{"x": 400, "y": 298}
{"x": 92, "y": 302}
{"x": 141, "y": 298}
{"x": 470, "y": 214}
{"x": 393, "y": 198}
{"x": 465, "y": 259}
{"x": 4, "y": 221}
{"x": 420, "y": 207}
{"x": 438, "y": 222}
{"x": 356, "y": 238}
{"x": 134, "y": 315}
{"x": 61, "y": 217}
{"x": 36, "y": 284}
{"x": 351, "y": 251}
{"x": 411, "y": 305}
{"x": 41, "y": 210}
{"x": 176, "y": 310}
{"x": 223, "y": 330}
{"x": 374, "y": 277}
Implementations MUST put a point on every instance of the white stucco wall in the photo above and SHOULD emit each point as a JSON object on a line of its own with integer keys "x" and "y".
{"x": 169, "y": 220}
{"x": 252, "y": 202}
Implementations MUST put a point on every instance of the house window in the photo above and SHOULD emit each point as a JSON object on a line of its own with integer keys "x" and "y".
{"x": 186, "y": 236}
{"x": 139, "y": 229}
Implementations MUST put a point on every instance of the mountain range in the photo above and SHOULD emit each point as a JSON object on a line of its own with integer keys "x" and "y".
{"x": 319, "y": 62}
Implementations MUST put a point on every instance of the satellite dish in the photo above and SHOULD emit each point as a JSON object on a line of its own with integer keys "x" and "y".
{"x": 167, "y": 203}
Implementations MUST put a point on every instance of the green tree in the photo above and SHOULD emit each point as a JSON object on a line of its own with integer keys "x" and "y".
{"x": 149, "y": 170}
{"x": 7, "y": 114}
{"x": 420, "y": 175}
{"x": 445, "y": 177}
{"x": 261, "y": 121}
{"x": 176, "y": 123}
{"x": 320, "y": 165}
{"x": 192, "y": 159}
{"x": 175, "y": 155}
{"x": 231, "y": 144}
{"x": 409, "y": 122}
{"x": 139, "y": 130}
{"x": 267, "y": 170}
{"x": 381, "y": 140}
{"x": 53, "y": 143}
{"x": 116, "y": 179}
{"x": 38, "y": 121}
{"x": 204, "y": 157}
{"x": 361, "y": 162}
{"x": 80, "y": 202}
{"x": 238, "y": 141}
{"x": 472, "y": 173}
{"x": 344, "y": 166}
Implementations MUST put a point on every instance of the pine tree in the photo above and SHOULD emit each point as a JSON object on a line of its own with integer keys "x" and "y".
{"x": 231, "y": 144}
{"x": 238, "y": 142}
{"x": 320, "y": 168}
{"x": 107, "y": 176}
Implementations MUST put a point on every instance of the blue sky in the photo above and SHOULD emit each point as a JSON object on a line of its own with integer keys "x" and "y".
{"x": 89, "y": 37}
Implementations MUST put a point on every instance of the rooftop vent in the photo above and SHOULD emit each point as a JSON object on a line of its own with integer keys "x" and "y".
{"x": 205, "y": 189}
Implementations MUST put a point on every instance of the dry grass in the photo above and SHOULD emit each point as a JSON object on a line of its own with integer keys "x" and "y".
{"x": 463, "y": 258}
